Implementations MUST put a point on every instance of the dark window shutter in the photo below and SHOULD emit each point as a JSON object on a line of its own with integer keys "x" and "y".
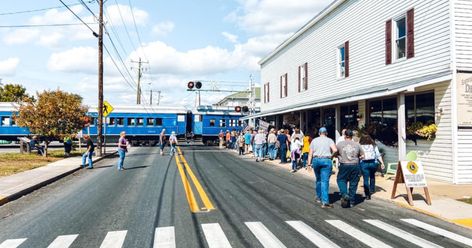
{"x": 286, "y": 84}
{"x": 410, "y": 36}
{"x": 346, "y": 58}
{"x": 388, "y": 42}
{"x": 299, "y": 78}
{"x": 281, "y": 86}
{"x": 306, "y": 76}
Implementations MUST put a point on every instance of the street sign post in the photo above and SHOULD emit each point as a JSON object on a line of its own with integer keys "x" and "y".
{"x": 107, "y": 109}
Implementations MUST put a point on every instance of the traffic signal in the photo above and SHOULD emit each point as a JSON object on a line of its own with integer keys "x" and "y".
{"x": 190, "y": 85}
{"x": 237, "y": 109}
{"x": 245, "y": 109}
{"x": 198, "y": 85}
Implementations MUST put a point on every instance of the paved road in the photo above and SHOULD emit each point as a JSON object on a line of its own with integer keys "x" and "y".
{"x": 256, "y": 205}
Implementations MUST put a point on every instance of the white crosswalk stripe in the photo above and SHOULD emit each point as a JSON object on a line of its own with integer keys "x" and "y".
{"x": 164, "y": 237}
{"x": 357, "y": 234}
{"x": 215, "y": 236}
{"x": 11, "y": 243}
{"x": 114, "y": 239}
{"x": 312, "y": 235}
{"x": 402, "y": 234}
{"x": 264, "y": 235}
{"x": 440, "y": 231}
{"x": 63, "y": 241}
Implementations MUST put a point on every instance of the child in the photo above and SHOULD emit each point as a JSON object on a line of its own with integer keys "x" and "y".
{"x": 295, "y": 152}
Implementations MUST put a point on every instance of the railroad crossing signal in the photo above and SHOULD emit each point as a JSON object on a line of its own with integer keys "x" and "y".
{"x": 107, "y": 108}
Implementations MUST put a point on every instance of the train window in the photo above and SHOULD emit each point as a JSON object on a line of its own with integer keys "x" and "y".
{"x": 111, "y": 121}
{"x": 197, "y": 118}
{"x": 158, "y": 121}
{"x": 232, "y": 123}
{"x": 5, "y": 121}
{"x": 181, "y": 118}
{"x": 92, "y": 121}
{"x": 222, "y": 123}
{"x": 13, "y": 121}
{"x": 140, "y": 121}
{"x": 120, "y": 121}
{"x": 212, "y": 122}
{"x": 149, "y": 122}
{"x": 131, "y": 122}
{"x": 240, "y": 123}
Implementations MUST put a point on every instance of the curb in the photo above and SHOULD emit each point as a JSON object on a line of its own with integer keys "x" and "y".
{"x": 39, "y": 185}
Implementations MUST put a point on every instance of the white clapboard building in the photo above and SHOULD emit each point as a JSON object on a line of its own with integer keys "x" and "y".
{"x": 391, "y": 68}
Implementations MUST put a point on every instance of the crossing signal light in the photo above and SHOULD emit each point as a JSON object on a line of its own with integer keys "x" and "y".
{"x": 190, "y": 85}
{"x": 245, "y": 109}
{"x": 198, "y": 85}
{"x": 237, "y": 109}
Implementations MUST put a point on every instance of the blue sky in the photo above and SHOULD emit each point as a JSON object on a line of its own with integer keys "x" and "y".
{"x": 183, "y": 40}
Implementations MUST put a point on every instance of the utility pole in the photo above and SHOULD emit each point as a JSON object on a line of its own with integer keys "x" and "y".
{"x": 100, "y": 78}
{"x": 140, "y": 74}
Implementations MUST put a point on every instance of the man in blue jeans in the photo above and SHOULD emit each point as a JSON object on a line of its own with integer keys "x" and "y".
{"x": 349, "y": 170}
{"x": 283, "y": 141}
{"x": 88, "y": 154}
{"x": 321, "y": 152}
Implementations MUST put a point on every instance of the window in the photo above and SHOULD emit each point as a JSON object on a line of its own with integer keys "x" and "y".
{"x": 383, "y": 112}
{"x": 212, "y": 122}
{"x": 111, "y": 121}
{"x": 420, "y": 108}
{"x": 222, "y": 123}
{"x": 197, "y": 118}
{"x": 13, "y": 121}
{"x": 400, "y": 38}
{"x": 341, "y": 62}
{"x": 140, "y": 122}
{"x": 303, "y": 77}
{"x": 131, "y": 122}
{"x": 232, "y": 123}
{"x": 5, "y": 121}
{"x": 158, "y": 121}
{"x": 240, "y": 123}
{"x": 284, "y": 85}
{"x": 150, "y": 122}
{"x": 93, "y": 121}
{"x": 266, "y": 93}
{"x": 120, "y": 121}
{"x": 181, "y": 118}
{"x": 349, "y": 115}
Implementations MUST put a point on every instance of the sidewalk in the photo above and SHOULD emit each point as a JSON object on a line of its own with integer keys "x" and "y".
{"x": 14, "y": 186}
{"x": 444, "y": 196}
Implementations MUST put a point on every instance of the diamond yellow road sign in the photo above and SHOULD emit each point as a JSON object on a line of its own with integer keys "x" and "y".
{"x": 107, "y": 108}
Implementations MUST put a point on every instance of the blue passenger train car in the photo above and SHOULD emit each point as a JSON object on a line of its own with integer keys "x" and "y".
{"x": 209, "y": 121}
{"x": 8, "y": 128}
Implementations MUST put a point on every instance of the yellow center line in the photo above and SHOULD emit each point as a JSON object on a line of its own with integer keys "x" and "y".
{"x": 206, "y": 201}
{"x": 188, "y": 190}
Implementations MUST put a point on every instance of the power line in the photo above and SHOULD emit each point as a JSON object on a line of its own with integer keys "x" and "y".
{"x": 137, "y": 31}
{"x": 43, "y": 25}
{"x": 34, "y": 10}
{"x": 124, "y": 25}
{"x": 78, "y": 17}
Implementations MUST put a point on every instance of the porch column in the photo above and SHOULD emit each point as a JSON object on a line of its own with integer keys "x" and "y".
{"x": 401, "y": 126}
{"x": 302, "y": 120}
{"x": 338, "y": 121}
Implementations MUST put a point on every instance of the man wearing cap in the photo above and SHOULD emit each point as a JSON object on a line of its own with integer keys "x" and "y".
{"x": 349, "y": 153}
{"x": 321, "y": 152}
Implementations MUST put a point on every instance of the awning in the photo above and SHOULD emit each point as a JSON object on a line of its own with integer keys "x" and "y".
{"x": 361, "y": 94}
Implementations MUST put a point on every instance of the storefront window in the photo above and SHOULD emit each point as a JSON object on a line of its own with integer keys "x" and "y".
{"x": 383, "y": 121}
{"x": 349, "y": 116}
{"x": 420, "y": 115}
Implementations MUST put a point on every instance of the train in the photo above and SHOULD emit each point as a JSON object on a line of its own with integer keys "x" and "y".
{"x": 143, "y": 123}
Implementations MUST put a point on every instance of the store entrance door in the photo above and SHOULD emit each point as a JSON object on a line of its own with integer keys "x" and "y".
{"x": 329, "y": 121}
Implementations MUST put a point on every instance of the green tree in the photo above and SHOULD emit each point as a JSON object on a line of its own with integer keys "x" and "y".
{"x": 13, "y": 93}
{"x": 53, "y": 115}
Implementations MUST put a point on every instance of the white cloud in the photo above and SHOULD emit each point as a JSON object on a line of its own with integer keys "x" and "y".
{"x": 78, "y": 59}
{"x": 230, "y": 37}
{"x": 20, "y": 36}
{"x": 163, "y": 28}
{"x": 51, "y": 39}
{"x": 8, "y": 66}
{"x": 275, "y": 16}
{"x": 120, "y": 13}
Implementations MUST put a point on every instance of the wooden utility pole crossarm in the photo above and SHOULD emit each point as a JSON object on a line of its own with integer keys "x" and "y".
{"x": 140, "y": 74}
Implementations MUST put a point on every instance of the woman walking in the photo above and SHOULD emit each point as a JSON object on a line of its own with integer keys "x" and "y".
{"x": 122, "y": 150}
{"x": 369, "y": 164}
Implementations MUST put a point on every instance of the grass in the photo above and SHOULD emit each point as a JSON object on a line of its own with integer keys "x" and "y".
{"x": 466, "y": 200}
{"x": 11, "y": 163}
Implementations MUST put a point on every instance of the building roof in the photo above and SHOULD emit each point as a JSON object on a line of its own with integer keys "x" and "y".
{"x": 330, "y": 8}
{"x": 242, "y": 95}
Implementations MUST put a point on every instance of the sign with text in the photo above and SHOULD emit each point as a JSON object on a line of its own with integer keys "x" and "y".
{"x": 263, "y": 124}
{"x": 413, "y": 174}
{"x": 464, "y": 99}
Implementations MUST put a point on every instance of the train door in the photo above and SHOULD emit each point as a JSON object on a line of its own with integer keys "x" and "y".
{"x": 188, "y": 127}
{"x": 197, "y": 124}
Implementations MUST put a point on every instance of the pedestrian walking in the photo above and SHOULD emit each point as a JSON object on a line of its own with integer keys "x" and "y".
{"x": 259, "y": 140}
{"x": 349, "y": 153}
{"x": 305, "y": 150}
{"x": 369, "y": 164}
{"x": 283, "y": 142}
{"x": 241, "y": 142}
{"x": 295, "y": 147}
{"x": 247, "y": 141}
{"x": 67, "y": 145}
{"x": 162, "y": 140}
{"x": 233, "y": 140}
{"x": 271, "y": 141}
{"x": 221, "y": 136}
{"x": 122, "y": 150}
{"x": 173, "y": 143}
{"x": 228, "y": 139}
{"x": 88, "y": 153}
{"x": 322, "y": 149}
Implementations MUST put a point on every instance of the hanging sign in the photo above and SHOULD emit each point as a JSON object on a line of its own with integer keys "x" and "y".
{"x": 464, "y": 99}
